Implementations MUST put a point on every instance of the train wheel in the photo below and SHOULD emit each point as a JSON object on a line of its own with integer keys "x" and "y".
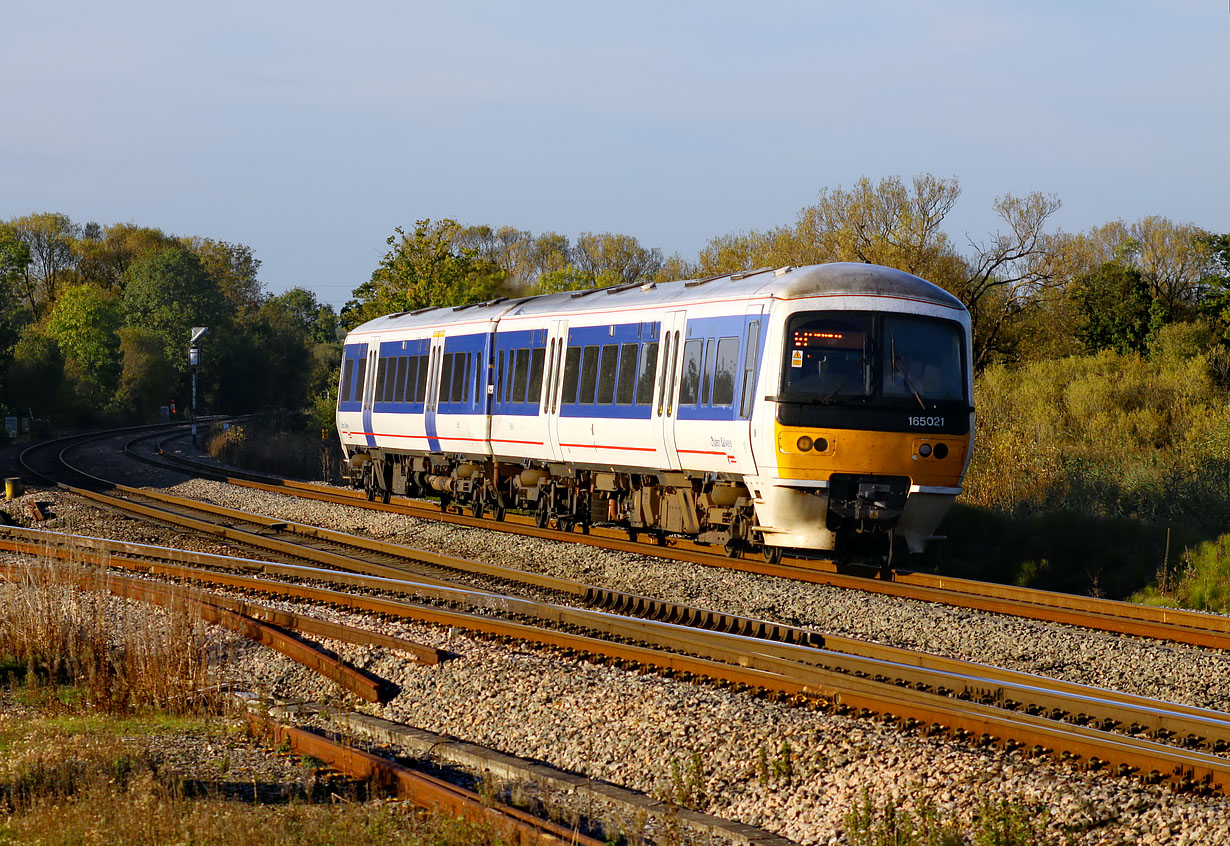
{"x": 734, "y": 548}
{"x": 585, "y": 527}
{"x": 476, "y": 507}
{"x": 660, "y": 539}
{"x": 498, "y": 513}
{"x": 563, "y": 525}
{"x": 370, "y": 493}
{"x": 445, "y": 501}
{"x": 633, "y": 534}
{"x": 386, "y": 495}
{"x": 542, "y": 516}
{"x": 773, "y": 554}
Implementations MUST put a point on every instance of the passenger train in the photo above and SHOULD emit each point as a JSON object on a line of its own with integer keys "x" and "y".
{"x": 823, "y": 410}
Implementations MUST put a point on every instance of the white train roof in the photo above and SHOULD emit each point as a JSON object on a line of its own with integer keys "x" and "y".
{"x": 787, "y": 283}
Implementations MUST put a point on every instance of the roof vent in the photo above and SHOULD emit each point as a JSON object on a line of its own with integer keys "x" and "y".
{"x": 782, "y": 271}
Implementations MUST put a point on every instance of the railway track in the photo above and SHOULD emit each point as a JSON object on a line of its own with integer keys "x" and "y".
{"x": 1167, "y": 624}
{"x": 919, "y": 692}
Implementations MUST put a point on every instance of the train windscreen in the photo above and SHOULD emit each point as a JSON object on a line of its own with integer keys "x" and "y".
{"x": 872, "y": 359}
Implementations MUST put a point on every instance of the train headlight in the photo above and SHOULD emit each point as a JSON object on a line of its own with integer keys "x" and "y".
{"x": 941, "y": 450}
{"x": 924, "y": 450}
{"x": 804, "y": 444}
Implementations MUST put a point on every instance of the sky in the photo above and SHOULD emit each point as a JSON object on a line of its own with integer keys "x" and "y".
{"x": 310, "y": 131}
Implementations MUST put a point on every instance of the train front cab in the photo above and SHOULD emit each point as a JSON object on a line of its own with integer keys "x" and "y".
{"x": 867, "y": 424}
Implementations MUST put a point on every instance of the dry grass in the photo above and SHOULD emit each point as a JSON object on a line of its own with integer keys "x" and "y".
{"x": 92, "y": 680}
{"x": 103, "y": 653}
{"x": 96, "y": 781}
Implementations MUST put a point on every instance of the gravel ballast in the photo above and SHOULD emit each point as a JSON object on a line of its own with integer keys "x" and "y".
{"x": 791, "y": 771}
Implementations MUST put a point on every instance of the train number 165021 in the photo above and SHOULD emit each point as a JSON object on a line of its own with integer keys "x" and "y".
{"x": 926, "y": 421}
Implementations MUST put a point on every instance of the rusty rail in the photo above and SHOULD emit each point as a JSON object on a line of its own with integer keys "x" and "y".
{"x": 426, "y": 791}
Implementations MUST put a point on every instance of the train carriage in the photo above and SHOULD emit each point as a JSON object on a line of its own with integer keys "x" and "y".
{"x": 822, "y": 409}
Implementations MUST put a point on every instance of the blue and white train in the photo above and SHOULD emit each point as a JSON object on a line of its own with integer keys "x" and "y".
{"x": 823, "y": 409}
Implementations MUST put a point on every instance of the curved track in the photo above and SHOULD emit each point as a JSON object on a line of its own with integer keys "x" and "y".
{"x": 967, "y": 701}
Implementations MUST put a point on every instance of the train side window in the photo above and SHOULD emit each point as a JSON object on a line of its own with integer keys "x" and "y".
{"x": 412, "y": 365}
{"x": 537, "y": 358}
{"x": 382, "y": 366}
{"x": 347, "y": 380}
{"x": 666, "y": 366}
{"x": 521, "y": 377}
{"x": 499, "y": 380}
{"x": 649, "y": 367}
{"x": 626, "y": 390}
{"x": 689, "y": 378}
{"x": 390, "y": 379}
{"x": 706, "y": 379}
{"x": 550, "y": 371}
{"x": 420, "y": 392}
{"x": 606, "y": 374}
{"x": 674, "y": 366}
{"x": 446, "y": 379}
{"x": 724, "y": 375}
{"x": 460, "y": 366}
{"x": 572, "y": 376}
{"x": 589, "y": 375}
{"x": 399, "y": 380}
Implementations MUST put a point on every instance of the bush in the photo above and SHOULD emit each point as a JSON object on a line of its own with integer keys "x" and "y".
{"x": 1082, "y": 465}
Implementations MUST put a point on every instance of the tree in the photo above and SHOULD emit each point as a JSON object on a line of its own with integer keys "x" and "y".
{"x": 168, "y": 292}
{"x": 233, "y": 268}
{"x": 1115, "y": 308}
{"x": 425, "y": 270}
{"x": 49, "y": 237}
{"x": 36, "y": 376}
{"x": 105, "y": 253}
{"x": 1008, "y": 270}
{"x": 85, "y": 322}
{"x": 299, "y": 308}
{"x": 612, "y": 259}
{"x": 147, "y": 376}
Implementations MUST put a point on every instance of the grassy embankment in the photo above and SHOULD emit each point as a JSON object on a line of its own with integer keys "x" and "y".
{"x": 98, "y": 692}
{"x": 1104, "y": 474}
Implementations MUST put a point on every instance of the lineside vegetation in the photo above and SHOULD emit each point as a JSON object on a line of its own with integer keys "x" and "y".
{"x": 1102, "y": 357}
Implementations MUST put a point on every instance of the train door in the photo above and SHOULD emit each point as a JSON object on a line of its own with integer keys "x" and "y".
{"x": 369, "y": 393}
{"x": 432, "y": 400}
{"x": 750, "y": 370}
{"x": 665, "y": 407}
{"x": 557, "y": 341}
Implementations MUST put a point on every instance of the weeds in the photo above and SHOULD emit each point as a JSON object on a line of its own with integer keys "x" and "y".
{"x": 995, "y": 824}
{"x": 70, "y": 647}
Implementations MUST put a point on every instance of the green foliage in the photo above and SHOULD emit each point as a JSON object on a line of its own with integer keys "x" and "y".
{"x": 1095, "y": 456}
{"x": 1115, "y": 308}
{"x": 147, "y": 378}
{"x": 168, "y": 292}
{"x": 425, "y": 269}
{"x": 36, "y": 378}
{"x": 1000, "y": 823}
{"x": 85, "y": 323}
{"x": 1201, "y": 580}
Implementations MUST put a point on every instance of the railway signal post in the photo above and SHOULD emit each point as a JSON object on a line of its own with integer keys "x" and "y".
{"x": 194, "y": 359}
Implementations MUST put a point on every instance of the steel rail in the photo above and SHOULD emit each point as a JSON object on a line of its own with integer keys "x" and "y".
{"x": 434, "y": 794}
{"x": 1007, "y": 688}
{"x": 132, "y": 556}
{"x": 360, "y": 683}
{"x": 1168, "y": 624}
{"x": 793, "y": 669}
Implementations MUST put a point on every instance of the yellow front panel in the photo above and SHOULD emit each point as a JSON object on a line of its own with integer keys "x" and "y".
{"x": 858, "y": 451}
